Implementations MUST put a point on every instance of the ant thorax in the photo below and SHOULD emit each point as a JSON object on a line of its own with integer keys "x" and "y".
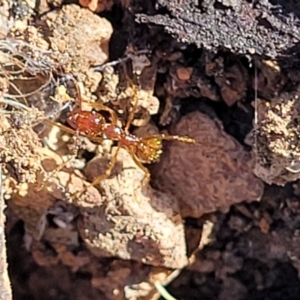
{"x": 86, "y": 122}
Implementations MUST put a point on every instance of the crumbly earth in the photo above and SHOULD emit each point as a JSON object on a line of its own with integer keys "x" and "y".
{"x": 133, "y": 222}
{"x": 209, "y": 25}
{"x": 86, "y": 46}
{"x": 277, "y": 139}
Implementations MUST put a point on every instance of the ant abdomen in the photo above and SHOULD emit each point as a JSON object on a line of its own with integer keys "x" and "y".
{"x": 148, "y": 150}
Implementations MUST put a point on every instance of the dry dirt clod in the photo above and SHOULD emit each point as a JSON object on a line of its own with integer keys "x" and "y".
{"x": 269, "y": 78}
{"x": 31, "y": 207}
{"x": 184, "y": 82}
{"x": 233, "y": 84}
{"x": 123, "y": 280}
{"x": 133, "y": 223}
{"x": 209, "y": 176}
{"x": 277, "y": 146}
{"x": 20, "y": 147}
{"x": 83, "y": 35}
{"x": 97, "y": 6}
{"x": 184, "y": 73}
{"x": 6, "y": 21}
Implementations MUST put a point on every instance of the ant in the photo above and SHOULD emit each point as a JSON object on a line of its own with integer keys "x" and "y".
{"x": 93, "y": 125}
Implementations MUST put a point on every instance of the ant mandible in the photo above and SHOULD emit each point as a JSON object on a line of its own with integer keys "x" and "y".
{"x": 93, "y": 125}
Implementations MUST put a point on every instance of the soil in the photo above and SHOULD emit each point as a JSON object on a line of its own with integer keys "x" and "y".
{"x": 216, "y": 85}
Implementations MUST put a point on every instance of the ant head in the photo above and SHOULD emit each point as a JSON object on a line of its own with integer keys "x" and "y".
{"x": 149, "y": 150}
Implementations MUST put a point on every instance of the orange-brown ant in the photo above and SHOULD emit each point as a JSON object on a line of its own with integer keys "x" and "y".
{"x": 93, "y": 125}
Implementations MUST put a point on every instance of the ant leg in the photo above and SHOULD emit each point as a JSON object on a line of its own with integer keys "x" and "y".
{"x": 184, "y": 139}
{"x": 99, "y": 106}
{"x": 58, "y": 168}
{"x": 78, "y": 91}
{"x": 112, "y": 113}
{"x": 72, "y": 131}
{"x": 61, "y": 126}
{"x": 75, "y": 153}
{"x": 61, "y": 166}
{"x": 147, "y": 177}
{"x": 103, "y": 176}
{"x": 135, "y": 104}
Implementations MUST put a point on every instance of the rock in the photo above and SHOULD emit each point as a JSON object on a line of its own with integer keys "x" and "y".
{"x": 83, "y": 35}
{"x": 132, "y": 223}
{"x": 211, "y": 175}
